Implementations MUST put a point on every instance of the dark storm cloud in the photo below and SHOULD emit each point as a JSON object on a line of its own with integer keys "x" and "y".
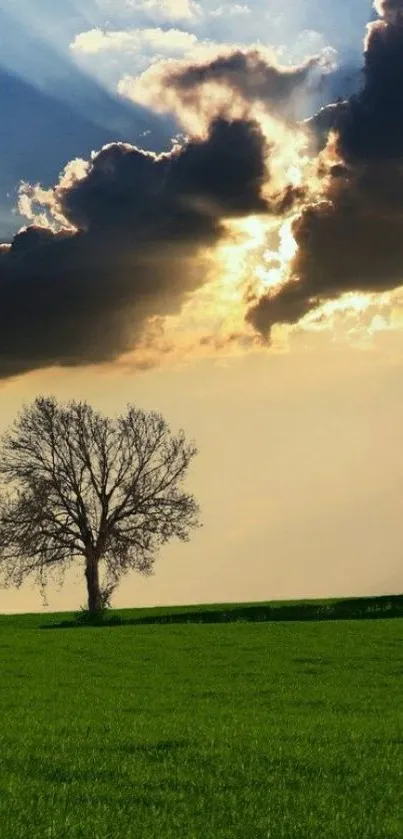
{"x": 139, "y": 227}
{"x": 249, "y": 73}
{"x": 369, "y": 124}
{"x": 143, "y": 224}
{"x": 390, "y": 10}
{"x": 52, "y": 111}
{"x": 344, "y": 245}
{"x": 353, "y": 239}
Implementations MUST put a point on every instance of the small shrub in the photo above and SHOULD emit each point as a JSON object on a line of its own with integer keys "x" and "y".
{"x": 101, "y": 618}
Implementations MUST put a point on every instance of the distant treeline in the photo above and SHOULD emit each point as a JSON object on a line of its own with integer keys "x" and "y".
{"x": 388, "y": 606}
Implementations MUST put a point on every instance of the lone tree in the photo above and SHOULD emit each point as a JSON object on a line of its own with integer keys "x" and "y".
{"x": 80, "y": 484}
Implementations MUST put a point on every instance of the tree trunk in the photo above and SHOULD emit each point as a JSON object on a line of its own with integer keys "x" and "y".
{"x": 92, "y": 577}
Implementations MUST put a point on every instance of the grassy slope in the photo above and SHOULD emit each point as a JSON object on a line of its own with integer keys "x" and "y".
{"x": 237, "y": 731}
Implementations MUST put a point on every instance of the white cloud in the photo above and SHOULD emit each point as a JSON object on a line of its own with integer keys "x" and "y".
{"x": 168, "y": 9}
{"x": 230, "y": 9}
{"x": 110, "y": 56}
{"x": 159, "y": 11}
{"x": 310, "y": 42}
{"x": 154, "y": 40}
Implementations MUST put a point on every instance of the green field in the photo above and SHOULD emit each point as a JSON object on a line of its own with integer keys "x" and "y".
{"x": 201, "y": 731}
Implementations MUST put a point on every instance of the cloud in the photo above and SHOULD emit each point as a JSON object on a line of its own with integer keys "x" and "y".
{"x": 390, "y": 10}
{"x": 223, "y": 81}
{"x": 183, "y": 10}
{"x": 156, "y": 40}
{"x": 130, "y": 235}
{"x": 128, "y": 238}
{"x": 230, "y": 9}
{"x": 370, "y": 125}
{"x": 108, "y": 54}
{"x": 40, "y": 133}
{"x": 139, "y": 62}
{"x": 350, "y": 239}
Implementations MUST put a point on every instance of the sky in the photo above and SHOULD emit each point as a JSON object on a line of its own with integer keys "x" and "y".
{"x": 200, "y": 213}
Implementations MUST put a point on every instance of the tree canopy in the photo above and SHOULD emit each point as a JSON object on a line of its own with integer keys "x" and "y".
{"x": 78, "y": 484}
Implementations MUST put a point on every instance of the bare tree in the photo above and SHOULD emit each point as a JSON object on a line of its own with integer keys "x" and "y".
{"x": 80, "y": 484}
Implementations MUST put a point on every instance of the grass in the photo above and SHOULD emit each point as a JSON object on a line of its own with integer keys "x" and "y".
{"x": 278, "y": 730}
